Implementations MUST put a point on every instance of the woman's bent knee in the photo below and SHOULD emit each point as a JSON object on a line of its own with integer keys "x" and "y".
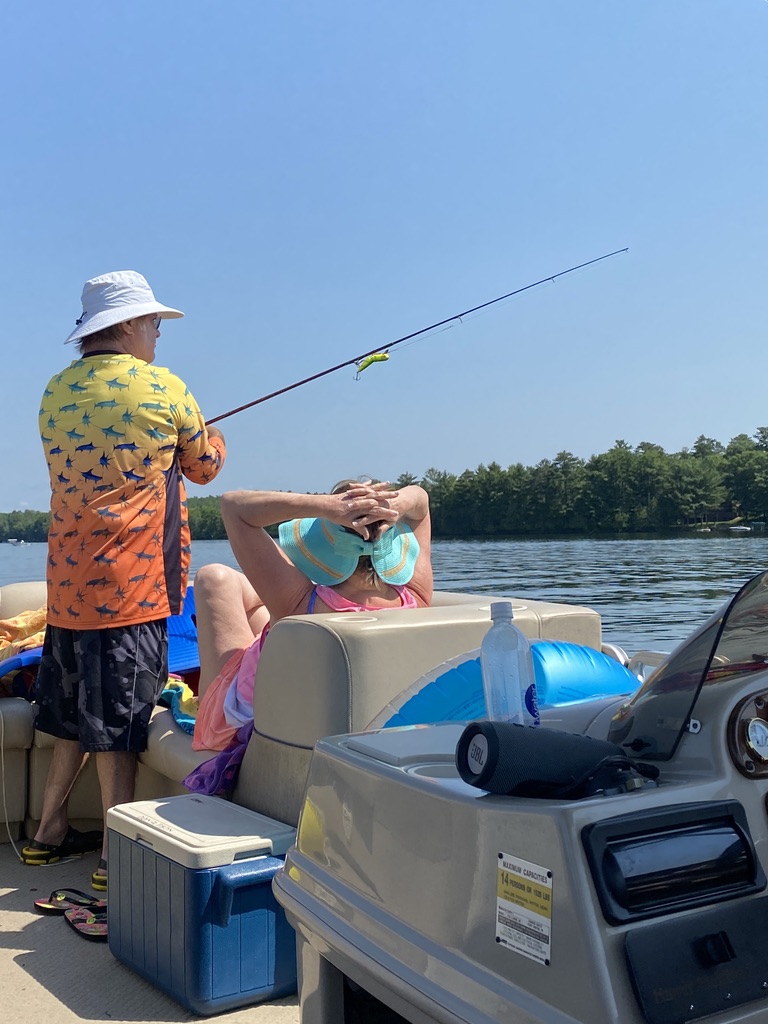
{"x": 210, "y": 578}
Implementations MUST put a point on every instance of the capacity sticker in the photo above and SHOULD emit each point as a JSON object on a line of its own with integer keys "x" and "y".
{"x": 524, "y": 907}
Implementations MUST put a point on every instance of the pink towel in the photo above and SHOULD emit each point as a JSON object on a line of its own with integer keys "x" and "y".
{"x": 231, "y": 691}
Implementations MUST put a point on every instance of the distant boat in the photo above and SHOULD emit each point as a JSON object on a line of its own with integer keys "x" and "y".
{"x": 15, "y": 540}
{"x": 703, "y": 529}
{"x": 740, "y": 529}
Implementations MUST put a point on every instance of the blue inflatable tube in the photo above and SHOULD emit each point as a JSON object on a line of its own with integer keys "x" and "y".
{"x": 567, "y": 672}
{"x": 453, "y": 692}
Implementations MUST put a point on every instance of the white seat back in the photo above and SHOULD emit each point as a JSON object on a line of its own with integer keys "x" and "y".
{"x": 322, "y": 675}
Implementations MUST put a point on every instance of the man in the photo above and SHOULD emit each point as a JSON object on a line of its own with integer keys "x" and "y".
{"x": 119, "y": 435}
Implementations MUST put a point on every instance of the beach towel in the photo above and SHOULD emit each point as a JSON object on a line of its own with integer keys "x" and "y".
{"x": 179, "y": 697}
{"x": 22, "y": 632}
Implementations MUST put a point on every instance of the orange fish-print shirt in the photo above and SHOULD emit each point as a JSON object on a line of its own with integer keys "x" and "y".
{"x": 120, "y": 435}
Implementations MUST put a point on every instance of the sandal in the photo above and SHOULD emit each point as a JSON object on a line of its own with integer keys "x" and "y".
{"x": 88, "y": 923}
{"x": 74, "y": 844}
{"x": 62, "y": 900}
{"x": 99, "y": 877}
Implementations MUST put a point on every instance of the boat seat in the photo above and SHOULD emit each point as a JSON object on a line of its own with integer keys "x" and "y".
{"x": 168, "y": 759}
{"x": 16, "y": 598}
{"x": 323, "y": 675}
{"x": 318, "y": 675}
{"x": 17, "y": 718}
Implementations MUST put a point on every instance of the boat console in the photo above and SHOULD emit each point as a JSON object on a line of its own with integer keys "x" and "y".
{"x": 607, "y": 868}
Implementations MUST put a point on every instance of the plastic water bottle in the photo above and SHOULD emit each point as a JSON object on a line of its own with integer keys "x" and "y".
{"x": 507, "y": 666}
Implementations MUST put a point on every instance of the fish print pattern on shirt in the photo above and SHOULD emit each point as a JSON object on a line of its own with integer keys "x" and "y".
{"x": 119, "y": 437}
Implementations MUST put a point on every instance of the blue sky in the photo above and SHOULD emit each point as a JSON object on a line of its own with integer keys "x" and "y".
{"x": 310, "y": 180}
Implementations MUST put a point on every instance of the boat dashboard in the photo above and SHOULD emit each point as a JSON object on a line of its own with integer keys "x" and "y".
{"x": 641, "y": 903}
{"x": 698, "y": 683}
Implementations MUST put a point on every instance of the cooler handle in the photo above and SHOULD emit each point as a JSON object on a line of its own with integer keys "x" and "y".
{"x": 231, "y": 877}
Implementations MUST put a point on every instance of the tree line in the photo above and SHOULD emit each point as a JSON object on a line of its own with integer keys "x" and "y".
{"x": 623, "y": 490}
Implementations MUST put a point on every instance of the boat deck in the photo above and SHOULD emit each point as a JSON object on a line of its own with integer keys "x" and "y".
{"x": 49, "y": 973}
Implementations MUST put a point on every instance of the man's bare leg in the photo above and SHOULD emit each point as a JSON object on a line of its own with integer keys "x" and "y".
{"x": 66, "y": 764}
{"x": 117, "y": 779}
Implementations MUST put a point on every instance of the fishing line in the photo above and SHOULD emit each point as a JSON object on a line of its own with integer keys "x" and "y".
{"x": 414, "y": 334}
{"x": 458, "y": 321}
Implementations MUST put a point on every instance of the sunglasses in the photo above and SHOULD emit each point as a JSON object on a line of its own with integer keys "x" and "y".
{"x": 156, "y": 321}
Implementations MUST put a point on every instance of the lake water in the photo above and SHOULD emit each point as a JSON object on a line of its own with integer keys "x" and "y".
{"x": 650, "y": 593}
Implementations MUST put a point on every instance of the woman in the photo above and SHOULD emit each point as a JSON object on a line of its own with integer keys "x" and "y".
{"x": 361, "y": 547}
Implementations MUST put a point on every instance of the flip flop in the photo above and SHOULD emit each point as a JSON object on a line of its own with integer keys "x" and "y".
{"x": 62, "y": 900}
{"x": 73, "y": 844}
{"x": 99, "y": 877}
{"x": 88, "y": 923}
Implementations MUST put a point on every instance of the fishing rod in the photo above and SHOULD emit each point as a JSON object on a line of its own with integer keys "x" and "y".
{"x": 385, "y": 348}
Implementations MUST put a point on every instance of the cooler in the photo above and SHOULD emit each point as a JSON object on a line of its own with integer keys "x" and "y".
{"x": 190, "y": 904}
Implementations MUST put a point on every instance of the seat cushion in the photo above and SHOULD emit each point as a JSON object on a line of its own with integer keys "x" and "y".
{"x": 169, "y": 749}
{"x": 17, "y": 719}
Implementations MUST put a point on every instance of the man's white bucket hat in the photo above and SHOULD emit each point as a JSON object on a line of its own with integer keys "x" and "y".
{"x": 114, "y": 298}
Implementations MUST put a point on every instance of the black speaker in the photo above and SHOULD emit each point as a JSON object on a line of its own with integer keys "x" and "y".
{"x": 526, "y": 760}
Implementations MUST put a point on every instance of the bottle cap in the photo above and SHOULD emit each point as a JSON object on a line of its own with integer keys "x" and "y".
{"x": 501, "y": 610}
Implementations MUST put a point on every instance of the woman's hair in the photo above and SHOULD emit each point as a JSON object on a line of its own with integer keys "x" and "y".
{"x": 344, "y": 485}
{"x": 364, "y": 564}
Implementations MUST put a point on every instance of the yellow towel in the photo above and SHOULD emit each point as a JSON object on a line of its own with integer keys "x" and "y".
{"x": 22, "y": 632}
{"x": 187, "y": 701}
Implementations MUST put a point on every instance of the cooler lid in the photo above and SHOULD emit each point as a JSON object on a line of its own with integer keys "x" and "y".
{"x": 200, "y": 831}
